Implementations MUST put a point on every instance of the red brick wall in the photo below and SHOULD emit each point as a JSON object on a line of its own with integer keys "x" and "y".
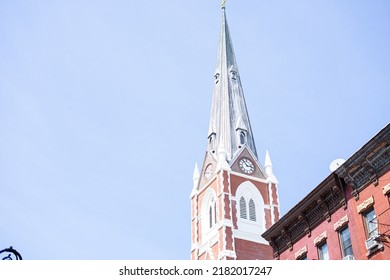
{"x": 332, "y": 240}
{"x": 381, "y": 203}
{"x": 247, "y": 250}
{"x": 355, "y": 224}
{"x": 236, "y": 181}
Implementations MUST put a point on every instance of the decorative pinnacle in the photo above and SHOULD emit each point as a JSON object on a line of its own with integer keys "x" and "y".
{"x": 223, "y": 4}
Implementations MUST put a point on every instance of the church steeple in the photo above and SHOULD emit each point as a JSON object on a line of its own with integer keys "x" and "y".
{"x": 234, "y": 199}
{"x": 229, "y": 122}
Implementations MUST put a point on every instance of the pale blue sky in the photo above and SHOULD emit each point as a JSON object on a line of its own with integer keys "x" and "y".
{"x": 104, "y": 109}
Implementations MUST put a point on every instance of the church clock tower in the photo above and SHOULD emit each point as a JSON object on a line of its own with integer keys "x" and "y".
{"x": 234, "y": 198}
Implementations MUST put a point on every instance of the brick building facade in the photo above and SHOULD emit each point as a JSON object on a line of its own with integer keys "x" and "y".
{"x": 347, "y": 216}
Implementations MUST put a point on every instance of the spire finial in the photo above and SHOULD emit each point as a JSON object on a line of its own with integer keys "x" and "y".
{"x": 223, "y": 4}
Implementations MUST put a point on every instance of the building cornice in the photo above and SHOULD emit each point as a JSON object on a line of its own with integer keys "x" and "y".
{"x": 368, "y": 163}
{"x": 315, "y": 208}
{"x": 361, "y": 169}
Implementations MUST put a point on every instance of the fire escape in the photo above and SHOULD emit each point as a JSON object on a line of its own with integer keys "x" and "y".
{"x": 384, "y": 227}
{"x": 381, "y": 237}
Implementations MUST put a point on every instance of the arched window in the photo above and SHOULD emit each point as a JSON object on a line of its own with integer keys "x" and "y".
{"x": 251, "y": 215}
{"x": 208, "y": 218}
{"x": 243, "y": 208}
{"x": 242, "y": 138}
{"x": 252, "y": 210}
{"x": 212, "y": 142}
{"x": 212, "y": 213}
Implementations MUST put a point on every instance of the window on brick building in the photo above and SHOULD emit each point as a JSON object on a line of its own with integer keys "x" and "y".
{"x": 323, "y": 252}
{"x": 212, "y": 213}
{"x": 345, "y": 243}
{"x": 302, "y": 258}
{"x": 370, "y": 223}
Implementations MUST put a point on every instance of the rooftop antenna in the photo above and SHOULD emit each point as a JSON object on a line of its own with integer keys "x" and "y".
{"x": 336, "y": 164}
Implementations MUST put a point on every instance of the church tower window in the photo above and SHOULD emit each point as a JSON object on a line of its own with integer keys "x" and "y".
{"x": 233, "y": 74}
{"x": 243, "y": 208}
{"x": 216, "y": 78}
{"x": 242, "y": 138}
{"x": 212, "y": 142}
{"x": 252, "y": 210}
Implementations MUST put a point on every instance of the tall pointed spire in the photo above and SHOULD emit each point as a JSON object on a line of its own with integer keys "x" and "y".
{"x": 229, "y": 122}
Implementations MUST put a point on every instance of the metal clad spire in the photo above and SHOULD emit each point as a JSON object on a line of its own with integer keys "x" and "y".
{"x": 229, "y": 116}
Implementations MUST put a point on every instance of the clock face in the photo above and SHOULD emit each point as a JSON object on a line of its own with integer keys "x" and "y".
{"x": 208, "y": 171}
{"x": 246, "y": 165}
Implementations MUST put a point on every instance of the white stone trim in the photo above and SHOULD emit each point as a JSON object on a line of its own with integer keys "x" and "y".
{"x": 320, "y": 238}
{"x": 207, "y": 232}
{"x": 221, "y": 203}
{"x": 209, "y": 182}
{"x": 209, "y": 243}
{"x": 225, "y": 223}
{"x": 194, "y": 192}
{"x": 222, "y": 185}
{"x": 254, "y": 237}
{"x": 227, "y": 253}
{"x": 301, "y": 252}
{"x": 386, "y": 189}
{"x": 194, "y": 246}
{"x": 209, "y": 253}
{"x": 271, "y": 203}
{"x": 365, "y": 205}
{"x": 340, "y": 223}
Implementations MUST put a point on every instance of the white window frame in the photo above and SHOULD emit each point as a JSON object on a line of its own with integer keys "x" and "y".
{"x": 247, "y": 229}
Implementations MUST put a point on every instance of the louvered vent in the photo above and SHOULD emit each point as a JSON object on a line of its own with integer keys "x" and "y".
{"x": 211, "y": 216}
{"x": 243, "y": 208}
{"x": 252, "y": 211}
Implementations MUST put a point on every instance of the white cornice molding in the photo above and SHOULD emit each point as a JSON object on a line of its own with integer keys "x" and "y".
{"x": 365, "y": 205}
{"x": 225, "y": 223}
{"x": 257, "y": 238}
{"x": 386, "y": 189}
{"x": 301, "y": 252}
{"x": 340, "y": 223}
{"x": 320, "y": 238}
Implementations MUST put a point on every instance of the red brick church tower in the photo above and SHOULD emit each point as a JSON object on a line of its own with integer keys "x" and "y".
{"x": 234, "y": 198}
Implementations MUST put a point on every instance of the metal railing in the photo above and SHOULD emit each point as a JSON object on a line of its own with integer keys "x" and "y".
{"x": 384, "y": 222}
